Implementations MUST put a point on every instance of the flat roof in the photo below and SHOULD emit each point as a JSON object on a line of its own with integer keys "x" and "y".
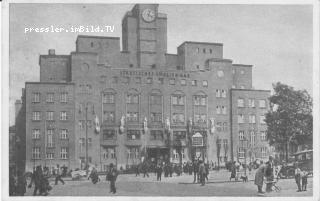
{"x": 202, "y": 43}
{"x": 243, "y": 65}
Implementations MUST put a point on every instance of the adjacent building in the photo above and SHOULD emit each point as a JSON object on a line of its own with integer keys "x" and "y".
{"x": 102, "y": 105}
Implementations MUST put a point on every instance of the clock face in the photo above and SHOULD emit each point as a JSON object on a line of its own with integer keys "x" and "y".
{"x": 148, "y": 15}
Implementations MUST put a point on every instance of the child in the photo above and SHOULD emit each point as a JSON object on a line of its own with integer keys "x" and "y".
{"x": 304, "y": 178}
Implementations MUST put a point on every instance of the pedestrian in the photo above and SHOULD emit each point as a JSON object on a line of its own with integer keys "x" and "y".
{"x": 58, "y": 175}
{"x": 94, "y": 175}
{"x": 269, "y": 174}
{"x": 195, "y": 171}
{"x": 202, "y": 172}
{"x": 258, "y": 179}
{"x": 206, "y": 165}
{"x": 297, "y": 176}
{"x": 112, "y": 177}
{"x": 145, "y": 169}
{"x": 233, "y": 171}
{"x": 159, "y": 172}
{"x": 38, "y": 180}
{"x": 137, "y": 170}
{"x": 304, "y": 179}
{"x": 170, "y": 169}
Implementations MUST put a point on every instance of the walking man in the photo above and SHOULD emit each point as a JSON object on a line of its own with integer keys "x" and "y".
{"x": 159, "y": 172}
{"x": 58, "y": 176}
{"x": 202, "y": 172}
{"x": 297, "y": 176}
{"x": 112, "y": 176}
{"x": 258, "y": 179}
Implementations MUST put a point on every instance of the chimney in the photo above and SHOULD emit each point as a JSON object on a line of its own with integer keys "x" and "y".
{"x": 52, "y": 52}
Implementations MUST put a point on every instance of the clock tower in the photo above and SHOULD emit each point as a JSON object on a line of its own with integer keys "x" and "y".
{"x": 144, "y": 36}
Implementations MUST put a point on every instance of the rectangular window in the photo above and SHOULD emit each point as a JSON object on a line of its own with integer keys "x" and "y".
{"x": 240, "y": 102}
{"x": 178, "y": 118}
{"x": 218, "y": 109}
{"x": 194, "y": 82}
{"x": 224, "y": 109}
{"x": 225, "y": 126}
{"x": 252, "y": 119}
{"x": 81, "y": 124}
{"x": 133, "y": 152}
{"x": 89, "y": 142}
{"x": 262, "y": 103}
{"x": 240, "y": 118}
{"x": 82, "y": 144}
{"x": 175, "y": 154}
{"x": 251, "y": 103}
{"x": 252, "y": 137}
{"x": 241, "y": 135}
{"x": 263, "y": 135}
{"x": 108, "y": 116}
{"x": 64, "y": 97}
{"x": 36, "y": 153}
{"x": 36, "y": 134}
{"x": 155, "y": 100}
{"x": 133, "y": 135}
{"x": 156, "y": 135}
{"x": 183, "y": 82}
{"x": 223, "y": 93}
{"x": 36, "y": 97}
{"x": 64, "y": 153}
{"x": 218, "y": 93}
{"x": 200, "y": 100}
{"x": 179, "y": 135}
{"x": 178, "y": 100}
{"x": 108, "y": 98}
{"x": 200, "y": 118}
{"x": 262, "y": 119}
{"x": 132, "y": 116}
{"x": 63, "y": 116}
{"x": 204, "y": 83}
{"x": 149, "y": 80}
{"x": 156, "y": 117}
{"x": 109, "y": 134}
{"x": 241, "y": 152}
{"x": 63, "y": 134}
{"x": 50, "y": 116}
{"x": 219, "y": 126}
{"x": 112, "y": 152}
{"x": 50, "y": 138}
{"x": 160, "y": 80}
{"x": 263, "y": 152}
{"x": 132, "y": 98}
{"x": 172, "y": 81}
{"x": 50, "y": 97}
{"x": 36, "y": 116}
{"x": 50, "y": 156}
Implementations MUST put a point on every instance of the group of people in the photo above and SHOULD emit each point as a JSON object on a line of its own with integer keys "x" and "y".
{"x": 265, "y": 170}
{"x": 301, "y": 178}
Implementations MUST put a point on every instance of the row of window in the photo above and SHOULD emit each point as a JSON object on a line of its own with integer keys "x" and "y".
{"x": 50, "y": 98}
{"x": 64, "y": 153}
{"x": 251, "y": 103}
{"x": 263, "y": 151}
{"x": 252, "y": 134}
{"x": 50, "y": 132}
{"x": 160, "y": 80}
{"x": 252, "y": 119}
{"x": 36, "y": 116}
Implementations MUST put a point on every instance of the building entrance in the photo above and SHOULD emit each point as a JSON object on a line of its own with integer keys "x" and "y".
{"x": 156, "y": 154}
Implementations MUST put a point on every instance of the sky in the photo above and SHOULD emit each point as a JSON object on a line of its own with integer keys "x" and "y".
{"x": 275, "y": 39}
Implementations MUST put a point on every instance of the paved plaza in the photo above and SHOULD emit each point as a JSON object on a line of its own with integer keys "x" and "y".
{"x": 130, "y": 185}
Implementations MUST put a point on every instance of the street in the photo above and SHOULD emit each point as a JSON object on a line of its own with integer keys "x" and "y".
{"x": 130, "y": 185}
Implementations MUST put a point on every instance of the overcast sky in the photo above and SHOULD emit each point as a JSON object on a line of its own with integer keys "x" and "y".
{"x": 275, "y": 39}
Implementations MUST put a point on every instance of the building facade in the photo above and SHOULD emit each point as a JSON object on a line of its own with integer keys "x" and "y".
{"x": 101, "y": 105}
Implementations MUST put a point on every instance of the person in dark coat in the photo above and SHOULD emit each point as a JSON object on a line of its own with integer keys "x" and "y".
{"x": 138, "y": 170}
{"x": 233, "y": 171}
{"x": 269, "y": 174}
{"x": 112, "y": 177}
{"x": 159, "y": 172}
{"x": 202, "y": 173}
{"x": 195, "y": 171}
{"x": 38, "y": 180}
{"x": 94, "y": 176}
{"x": 145, "y": 169}
{"x": 170, "y": 169}
{"x": 258, "y": 179}
{"x": 206, "y": 165}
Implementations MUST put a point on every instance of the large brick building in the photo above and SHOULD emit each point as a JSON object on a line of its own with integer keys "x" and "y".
{"x": 150, "y": 104}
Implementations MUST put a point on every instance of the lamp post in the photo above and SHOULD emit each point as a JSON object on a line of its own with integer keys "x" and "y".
{"x": 86, "y": 143}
